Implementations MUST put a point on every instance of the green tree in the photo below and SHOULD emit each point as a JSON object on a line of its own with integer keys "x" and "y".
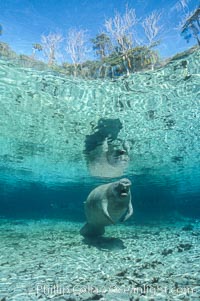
{"x": 36, "y": 47}
{"x": 191, "y": 26}
{"x": 6, "y": 51}
{"x": 102, "y": 45}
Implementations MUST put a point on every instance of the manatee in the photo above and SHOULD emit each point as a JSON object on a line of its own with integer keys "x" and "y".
{"x": 106, "y": 205}
{"x": 108, "y": 160}
{"x": 106, "y": 128}
{"x": 104, "y": 156}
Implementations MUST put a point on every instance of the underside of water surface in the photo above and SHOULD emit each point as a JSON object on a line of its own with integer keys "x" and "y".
{"x": 46, "y": 119}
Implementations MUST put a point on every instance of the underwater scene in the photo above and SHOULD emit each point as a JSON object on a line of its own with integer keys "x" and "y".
{"x": 99, "y": 150}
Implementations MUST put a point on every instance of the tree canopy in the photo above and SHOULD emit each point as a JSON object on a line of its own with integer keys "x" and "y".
{"x": 191, "y": 26}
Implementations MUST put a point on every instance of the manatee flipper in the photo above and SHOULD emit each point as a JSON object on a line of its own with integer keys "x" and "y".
{"x": 89, "y": 230}
{"x": 128, "y": 213}
{"x": 105, "y": 211}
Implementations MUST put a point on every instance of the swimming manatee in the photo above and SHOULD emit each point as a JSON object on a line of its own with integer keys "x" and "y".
{"x": 107, "y": 160}
{"x": 107, "y": 204}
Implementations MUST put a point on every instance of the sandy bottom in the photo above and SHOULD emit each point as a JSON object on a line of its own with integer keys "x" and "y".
{"x": 49, "y": 260}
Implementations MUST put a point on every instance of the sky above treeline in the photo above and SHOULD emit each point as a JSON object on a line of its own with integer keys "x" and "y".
{"x": 24, "y": 21}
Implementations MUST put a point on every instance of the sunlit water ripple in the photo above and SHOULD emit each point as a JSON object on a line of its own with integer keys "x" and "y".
{"x": 45, "y": 117}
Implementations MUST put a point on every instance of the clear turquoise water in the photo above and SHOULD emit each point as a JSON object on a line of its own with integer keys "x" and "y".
{"x": 45, "y": 118}
{"x": 53, "y": 132}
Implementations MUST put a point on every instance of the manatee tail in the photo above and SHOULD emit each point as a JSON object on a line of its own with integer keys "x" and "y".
{"x": 89, "y": 230}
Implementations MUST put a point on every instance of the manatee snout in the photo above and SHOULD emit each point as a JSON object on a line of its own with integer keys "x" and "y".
{"x": 124, "y": 186}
